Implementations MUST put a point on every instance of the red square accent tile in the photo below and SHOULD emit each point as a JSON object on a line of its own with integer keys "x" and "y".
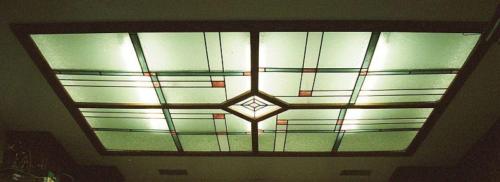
{"x": 340, "y": 121}
{"x": 309, "y": 70}
{"x": 173, "y": 133}
{"x": 247, "y": 73}
{"x": 149, "y": 74}
{"x": 305, "y": 93}
{"x": 156, "y": 84}
{"x": 260, "y": 131}
{"x": 218, "y": 116}
{"x": 282, "y": 122}
{"x": 220, "y": 84}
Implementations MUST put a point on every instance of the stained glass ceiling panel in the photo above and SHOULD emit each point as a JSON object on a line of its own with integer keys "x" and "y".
{"x": 193, "y": 91}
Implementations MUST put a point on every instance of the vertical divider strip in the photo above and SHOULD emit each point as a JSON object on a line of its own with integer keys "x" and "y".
{"x": 157, "y": 86}
{"x": 363, "y": 71}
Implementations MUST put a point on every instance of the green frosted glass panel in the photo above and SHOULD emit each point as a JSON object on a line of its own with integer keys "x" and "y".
{"x": 237, "y": 124}
{"x": 280, "y": 84}
{"x": 97, "y": 51}
{"x": 381, "y": 126}
{"x": 113, "y": 94}
{"x": 307, "y": 81}
{"x": 266, "y": 142}
{"x": 312, "y": 49}
{"x": 194, "y": 125}
{"x": 388, "y": 113}
{"x": 194, "y": 95}
{"x": 150, "y": 119}
{"x": 401, "y": 92}
{"x": 199, "y": 143}
{"x": 203, "y": 111}
{"x": 310, "y": 142}
{"x": 267, "y": 124}
{"x": 237, "y": 85}
{"x": 236, "y": 50}
{"x": 240, "y": 142}
{"x": 223, "y": 142}
{"x": 335, "y": 81}
{"x": 174, "y": 51}
{"x": 343, "y": 49}
{"x": 311, "y": 126}
{"x": 315, "y": 100}
{"x": 380, "y": 82}
{"x": 97, "y": 78}
{"x": 310, "y": 114}
{"x": 142, "y": 141}
{"x": 376, "y": 141}
{"x": 387, "y": 99}
{"x": 397, "y": 50}
{"x": 282, "y": 49}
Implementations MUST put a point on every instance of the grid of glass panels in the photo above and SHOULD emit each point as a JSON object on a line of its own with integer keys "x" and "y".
{"x": 343, "y": 69}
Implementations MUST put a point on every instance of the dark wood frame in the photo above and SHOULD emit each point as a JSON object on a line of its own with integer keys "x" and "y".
{"x": 23, "y": 31}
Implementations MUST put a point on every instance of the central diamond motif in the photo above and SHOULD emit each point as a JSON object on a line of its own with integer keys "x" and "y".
{"x": 254, "y": 107}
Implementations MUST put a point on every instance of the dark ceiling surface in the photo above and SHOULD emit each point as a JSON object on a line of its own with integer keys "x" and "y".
{"x": 28, "y": 103}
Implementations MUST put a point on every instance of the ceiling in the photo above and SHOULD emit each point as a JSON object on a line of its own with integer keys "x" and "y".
{"x": 28, "y": 102}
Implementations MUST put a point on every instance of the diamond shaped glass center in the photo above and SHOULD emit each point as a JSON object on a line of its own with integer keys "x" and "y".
{"x": 254, "y": 107}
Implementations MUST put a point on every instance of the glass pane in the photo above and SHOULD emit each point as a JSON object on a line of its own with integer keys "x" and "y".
{"x": 194, "y": 125}
{"x": 174, "y": 51}
{"x": 398, "y": 50}
{"x": 335, "y": 81}
{"x": 266, "y": 142}
{"x": 343, "y": 49}
{"x": 376, "y": 141}
{"x": 404, "y": 88}
{"x": 310, "y": 142}
{"x": 414, "y": 113}
{"x": 282, "y": 49}
{"x": 236, "y": 50}
{"x": 194, "y": 95}
{"x": 140, "y": 141}
{"x": 149, "y": 119}
{"x": 240, "y": 142}
{"x": 113, "y": 94}
{"x": 237, "y": 124}
{"x": 279, "y": 84}
{"x": 97, "y": 51}
{"x": 199, "y": 143}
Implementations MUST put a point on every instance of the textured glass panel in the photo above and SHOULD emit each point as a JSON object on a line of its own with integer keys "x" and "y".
{"x": 174, "y": 51}
{"x": 310, "y": 114}
{"x": 199, "y": 142}
{"x": 343, "y": 49}
{"x": 267, "y": 124}
{"x": 381, "y": 126}
{"x": 310, "y": 142}
{"x": 143, "y": 141}
{"x": 100, "y": 51}
{"x": 236, "y": 50}
{"x": 335, "y": 81}
{"x": 317, "y": 100}
{"x": 113, "y": 94}
{"x": 381, "y": 82}
{"x": 282, "y": 49}
{"x": 386, "y": 99}
{"x": 194, "y": 125}
{"x": 387, "y": 113}
{"x": 151, "y": 119}
{"x": 376, "y": 141}
{"x": 237, "y": 85}
{"x": 280, "y": 84}
{"x": 396, "y": 50}
{"x": 266, "y": 142}
{"x": 240, "y": 142}
{"x": 237, "y": 124}
{"x": 194, "y": 95}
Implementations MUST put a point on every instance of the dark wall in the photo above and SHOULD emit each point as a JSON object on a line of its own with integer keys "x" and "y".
{"x": 482, "y": 164}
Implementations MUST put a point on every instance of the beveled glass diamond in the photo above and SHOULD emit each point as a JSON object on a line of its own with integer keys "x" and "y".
{"x": 254, "y": 107}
